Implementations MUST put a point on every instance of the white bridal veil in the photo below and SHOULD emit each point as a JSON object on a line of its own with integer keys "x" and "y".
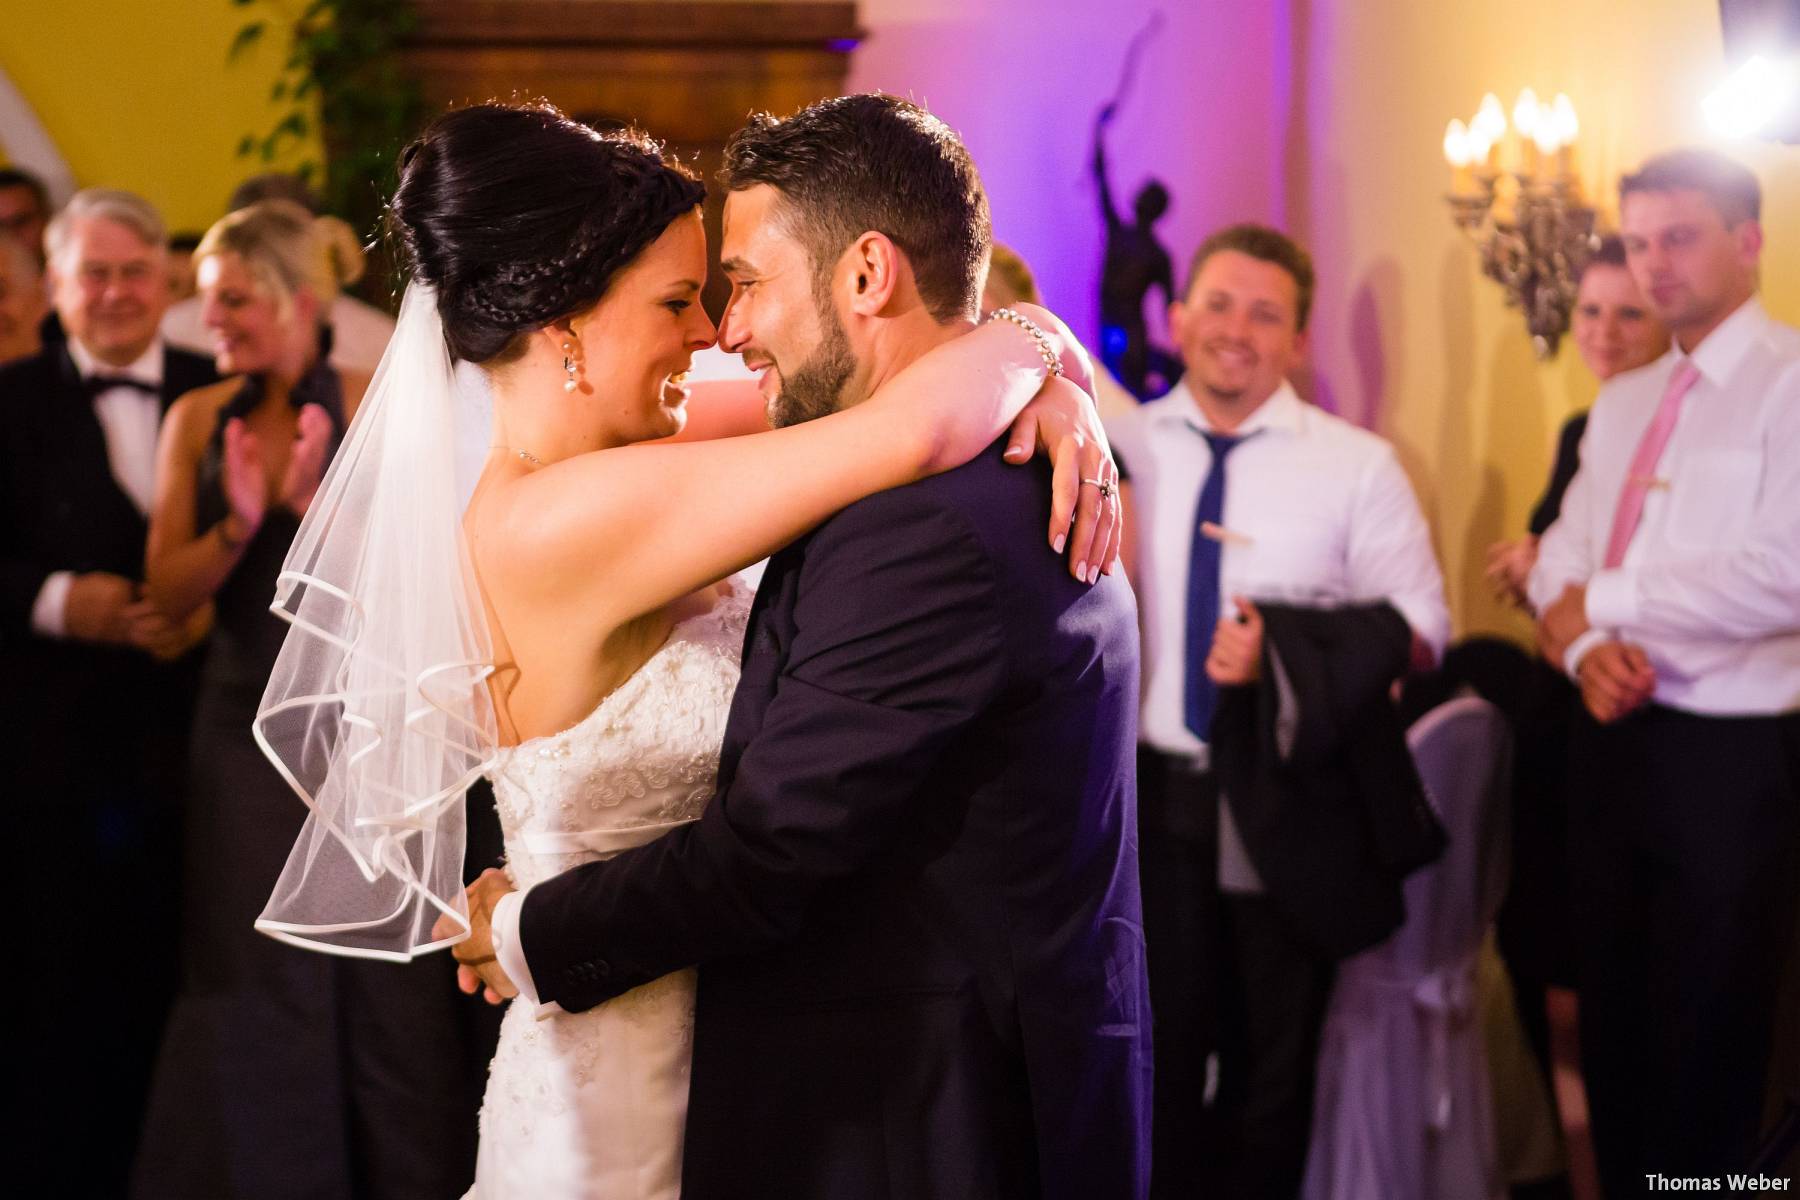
{"x": 377, "y": 713}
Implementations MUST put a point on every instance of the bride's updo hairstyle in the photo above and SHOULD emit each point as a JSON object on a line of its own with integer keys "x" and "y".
{"x": 518, "y": 217}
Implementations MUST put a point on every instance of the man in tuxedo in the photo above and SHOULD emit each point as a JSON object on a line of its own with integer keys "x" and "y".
{"x": 913, "y": 900}
{"x": 93, "y": 716}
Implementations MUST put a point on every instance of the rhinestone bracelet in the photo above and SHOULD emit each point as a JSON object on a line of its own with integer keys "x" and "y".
{"x": 1051, "y": 362}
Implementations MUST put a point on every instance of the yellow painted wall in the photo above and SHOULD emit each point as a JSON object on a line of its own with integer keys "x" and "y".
{"x": 137, "y": 93}
{"x": 1410, "y": 332}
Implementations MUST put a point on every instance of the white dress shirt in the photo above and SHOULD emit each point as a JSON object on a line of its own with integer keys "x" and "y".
{"x": 510, "y": 955}
{"x": 1710, "y": 583}
{"x": 130, "y": 419}
{"x": 1317, "y": 512}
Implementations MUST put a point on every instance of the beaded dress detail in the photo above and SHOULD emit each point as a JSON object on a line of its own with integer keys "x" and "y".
{"x": 591, "y": 1105}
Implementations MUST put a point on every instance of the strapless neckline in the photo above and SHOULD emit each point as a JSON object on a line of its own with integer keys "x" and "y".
{"x": 719, "y": 616}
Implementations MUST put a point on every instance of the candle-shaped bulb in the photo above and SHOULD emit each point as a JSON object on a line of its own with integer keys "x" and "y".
{"x": 1526, "y": 113}
{"x": 1562, "y": 115}
{"x": 1490, "y": 119}
{"x": 1457, "y": 150}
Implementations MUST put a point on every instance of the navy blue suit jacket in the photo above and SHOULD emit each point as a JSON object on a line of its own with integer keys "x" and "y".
{"x": 914, "y": 899}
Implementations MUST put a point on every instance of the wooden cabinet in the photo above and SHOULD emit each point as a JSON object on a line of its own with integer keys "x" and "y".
{"x": 688, "y": 72}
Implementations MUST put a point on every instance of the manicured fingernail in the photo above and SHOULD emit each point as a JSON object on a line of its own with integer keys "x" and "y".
{"x": 1081, "y": 570}
{"x": 1062, "y": 540}
{"x": 1094, "y": 575}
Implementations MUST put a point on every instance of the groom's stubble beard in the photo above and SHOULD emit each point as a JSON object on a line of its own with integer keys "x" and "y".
{"x": 815, "y": 388}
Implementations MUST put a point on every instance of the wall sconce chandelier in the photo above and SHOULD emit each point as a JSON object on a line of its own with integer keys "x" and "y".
{"x": 1527, "y": 220}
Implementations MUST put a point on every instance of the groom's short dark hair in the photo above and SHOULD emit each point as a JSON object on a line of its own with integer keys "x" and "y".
{"x": 872, "y": 162}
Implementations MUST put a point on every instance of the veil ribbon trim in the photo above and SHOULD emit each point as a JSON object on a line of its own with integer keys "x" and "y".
{"x": 377, "y": 713}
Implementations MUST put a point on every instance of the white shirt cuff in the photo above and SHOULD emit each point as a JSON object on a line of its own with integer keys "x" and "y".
{"x": 47, "y": 610}
{"x": 1612, "y": 599}
{"x": 1578, "y": 650}
{"x": 504, "y": 931}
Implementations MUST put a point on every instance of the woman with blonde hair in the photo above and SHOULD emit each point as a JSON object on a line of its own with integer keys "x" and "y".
{"x": 282, "y": 1073}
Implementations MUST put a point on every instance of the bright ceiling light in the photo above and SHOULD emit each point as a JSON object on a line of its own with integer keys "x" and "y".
{"x": 1758, "y": 95}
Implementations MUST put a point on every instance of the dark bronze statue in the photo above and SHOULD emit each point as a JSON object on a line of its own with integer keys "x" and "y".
{"x": 1136, "y": 262}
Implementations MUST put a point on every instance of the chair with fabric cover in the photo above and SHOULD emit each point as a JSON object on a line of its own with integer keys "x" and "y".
{"x": 1402, "y": 1109}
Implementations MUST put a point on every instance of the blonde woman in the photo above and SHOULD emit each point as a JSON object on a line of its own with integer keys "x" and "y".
{"x": 278, "y": 1066}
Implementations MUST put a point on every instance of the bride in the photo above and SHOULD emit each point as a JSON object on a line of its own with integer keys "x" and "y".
{"x": 577, "y": 636}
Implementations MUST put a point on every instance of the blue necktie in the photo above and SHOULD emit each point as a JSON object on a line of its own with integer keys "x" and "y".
{"x": 1203, "y": 587}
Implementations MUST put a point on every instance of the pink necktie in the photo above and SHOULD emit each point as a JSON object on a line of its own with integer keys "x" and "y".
{"x": 1642, "y": 475}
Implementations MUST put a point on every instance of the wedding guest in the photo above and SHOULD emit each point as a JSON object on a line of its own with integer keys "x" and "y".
{"x": 23, "y": 303}
{"x": 1614, "y": 330}
{"x": 282, "y": 1073}
{"x": 94, "y": 717}
{"x": 1009, "y": 280}
{"x": 24, "y": 208}
{"x": 1243, "y": 932}
{"x": 181, "y": 265}
{"x": 360, "y": 331}
{"x": 1669, "y": 588}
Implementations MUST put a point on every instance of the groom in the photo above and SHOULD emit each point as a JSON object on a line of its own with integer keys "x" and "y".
{"x": 914, "y": 899}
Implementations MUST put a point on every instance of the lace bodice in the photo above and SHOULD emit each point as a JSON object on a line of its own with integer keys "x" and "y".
{"x": 644, "y": 761}
{"x": 590, "y": 1105}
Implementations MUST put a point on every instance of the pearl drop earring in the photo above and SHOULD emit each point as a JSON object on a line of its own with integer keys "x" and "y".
{"x": 569, "y": 366}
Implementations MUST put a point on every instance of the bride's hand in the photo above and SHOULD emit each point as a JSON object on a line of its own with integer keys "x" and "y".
{"x": 1084, "y": 507}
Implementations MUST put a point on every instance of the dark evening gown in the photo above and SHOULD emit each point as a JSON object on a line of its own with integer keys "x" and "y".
{"x": 287, "y": 1072}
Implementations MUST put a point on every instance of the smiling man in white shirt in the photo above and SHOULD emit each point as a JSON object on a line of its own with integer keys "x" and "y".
{"x": 1670, "y": 589}
{"x": 1241, "y": 490}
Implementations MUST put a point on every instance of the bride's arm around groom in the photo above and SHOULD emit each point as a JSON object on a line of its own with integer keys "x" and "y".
{"x": 914, "y": 898}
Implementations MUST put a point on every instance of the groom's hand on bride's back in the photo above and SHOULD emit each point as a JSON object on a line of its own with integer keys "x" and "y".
{"x": 477, "y": 966}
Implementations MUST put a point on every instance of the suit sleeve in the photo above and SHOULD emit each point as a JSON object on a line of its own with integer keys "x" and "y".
{"x": 898, "y": 649}
{"x": 21, "y": 578}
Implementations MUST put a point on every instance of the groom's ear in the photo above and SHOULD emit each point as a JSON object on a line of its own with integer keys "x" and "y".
{"x": 871, "y": 272}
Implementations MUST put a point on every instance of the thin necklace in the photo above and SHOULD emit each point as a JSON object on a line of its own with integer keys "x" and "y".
{"x": 527, "y": 455}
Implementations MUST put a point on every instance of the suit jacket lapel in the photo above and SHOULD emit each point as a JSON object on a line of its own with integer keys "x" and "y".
{"x": 84, "y": 449}
{"x": 767, "y": 637}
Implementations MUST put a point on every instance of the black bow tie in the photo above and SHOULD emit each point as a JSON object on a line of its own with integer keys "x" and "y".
{"x": 95, "y": 384}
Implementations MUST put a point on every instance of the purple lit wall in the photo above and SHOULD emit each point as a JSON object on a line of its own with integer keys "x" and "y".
{"x": 1208, "y": 114}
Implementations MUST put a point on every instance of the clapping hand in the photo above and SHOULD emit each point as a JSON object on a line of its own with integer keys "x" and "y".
{"x": 246, "y": 479}
{"x": 477, "y": 966}
{"x": 306, "y": 460}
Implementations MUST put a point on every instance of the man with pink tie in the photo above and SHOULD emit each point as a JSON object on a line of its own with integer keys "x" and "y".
{"x": 1670, "y": 590}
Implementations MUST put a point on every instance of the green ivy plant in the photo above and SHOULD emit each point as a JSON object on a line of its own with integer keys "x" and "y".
{"x": 341, "y": 72}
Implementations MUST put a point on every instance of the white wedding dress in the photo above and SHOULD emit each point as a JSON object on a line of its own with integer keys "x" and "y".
{"x": 591, "y": 1105}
